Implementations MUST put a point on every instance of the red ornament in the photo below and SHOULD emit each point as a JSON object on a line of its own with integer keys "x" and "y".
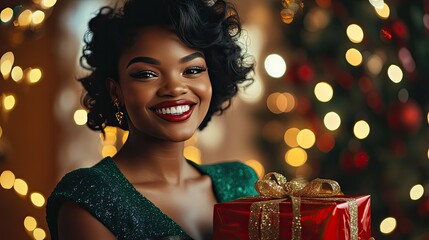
{"x": 405, "y": 117}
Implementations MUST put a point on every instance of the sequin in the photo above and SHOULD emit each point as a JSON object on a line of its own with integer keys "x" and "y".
{"x": 105, "y": 192}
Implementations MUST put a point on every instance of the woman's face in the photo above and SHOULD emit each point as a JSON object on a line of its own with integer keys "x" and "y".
{"x": 164, "y": 85}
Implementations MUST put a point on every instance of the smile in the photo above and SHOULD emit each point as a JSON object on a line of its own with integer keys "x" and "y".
{"x": 174, "y": 111}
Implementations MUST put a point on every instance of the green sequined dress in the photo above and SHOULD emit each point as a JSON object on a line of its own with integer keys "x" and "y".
{"x": 105, "y": 192}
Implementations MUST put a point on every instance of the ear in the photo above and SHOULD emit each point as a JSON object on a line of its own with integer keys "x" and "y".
{"x": 114, "y": 89}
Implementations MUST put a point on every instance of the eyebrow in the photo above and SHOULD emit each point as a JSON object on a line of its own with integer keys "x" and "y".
{"x": 153, "y": 61}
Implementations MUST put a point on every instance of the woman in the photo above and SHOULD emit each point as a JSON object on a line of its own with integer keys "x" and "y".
{"x": 159, "y": 69}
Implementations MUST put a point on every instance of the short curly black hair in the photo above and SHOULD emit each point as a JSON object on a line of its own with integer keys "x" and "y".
{"x": 212, "y": 27}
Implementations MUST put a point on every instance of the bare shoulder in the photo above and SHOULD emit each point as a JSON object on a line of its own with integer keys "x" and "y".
{"x": 74, "y": 222}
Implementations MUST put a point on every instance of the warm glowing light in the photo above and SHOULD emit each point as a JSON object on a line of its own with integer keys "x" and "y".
{"x": 17, "y": 74}
{"x": 252, "y": 93}
{"x": 354, "y": 57}
{"x": 395, "y": 73}
{"x": 7, "y": 179}
{"x": 5, "y": 68}
{"x": 428, "y": 153}
{"x": 1, "y": 131}
{"x": 109, "y": 137}
{"x": 378, "y": 4}
{"x": 125, "y": 136}
{"x": 388, "y": 225}
{"x": 272, "y": 103}
{"x": 9, "y": 102}
{"x": 281, "y": 102}
{"x": 383, "y": 12}
{"x": 296, "y": 157}
{"x": 24, "y": 19}
{"x": 108, "y": 151}
{"x": 290, "y": 137}
{"x": 48, "y": 3}
{"x": 306, "y": 138}
{"x": 34, "y": 75}
{"x": 39, "y": 234}
{"x": 354, "y": 33}
{"x": 275, "y": 65}
{"x": 6, "y": 14}
{"x": 332, "y": 121}
{"x": 30, "y": 223}
{"x": 20, "y": 187}
{"x": 38, "y": 17}
{"x": 257, "y": 166}
{"x": 290, "y": 100}
{"x": 323, "y": 92}
{"x": 417, "y": 192}
{"x": 80, "y": 117}
{"x": 37, "y": 199}
{"x": 192, "y": 153}
{"x": 316, "y": 19}
{"x": 374, "y": 64}
{"x": 361, "y": 129}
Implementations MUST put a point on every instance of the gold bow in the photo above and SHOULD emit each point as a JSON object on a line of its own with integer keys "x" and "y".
{"x": 264, "y": 215}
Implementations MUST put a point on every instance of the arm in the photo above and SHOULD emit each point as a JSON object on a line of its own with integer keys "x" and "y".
{"x": 74, "y": 222}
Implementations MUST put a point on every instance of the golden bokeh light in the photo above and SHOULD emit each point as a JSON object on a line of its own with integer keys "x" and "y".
{"x": 17, "y": 74}
{"x": 272, "y": 103}
{"x": 395, "y": 73}
{"x": 34, "y": 75}
{"x": 275, "y": 65}
{"x": 7, "y": 179}
{"x": 378, "y": 4}
{"x": 306, "y": 138}
{"x": 257, "y": 166}
{"x": 374, "y": 64}
{"x": 192, "y": 153}
{"x": 355, "y": 33}
{"x": 354, "y": 57}
{"x": 332, "y": 121}
{"x": 80, "y": 117}
{"x": 384, "y": 12}
{"x": 20, "y": 187}
{"x": 323, "y": 92}
{"x": 110, "y": 135}
{"x": 1, "y": 131}
{"x": 281, "y": 102}
{"x": 125, "y": 136}
{"x": 24, "y": 19}
{"x": 37, "y": 199}
{"x": 417, "y": 192}
{"x": 38, "y": 17}
{"x": 39, "y": 234}
{"x": 5, "y": 68}
{"x": 388, "y": 225}
{"x": 9, "y": 102}
{"x": 290, "y": 102}
{"x": 6, "y": 14}
{"x": 48, "y": 3}
{"x": 108, "y": 151}
{"x": 290, "y": 137}
{"x": 30, "y": 223}
{"x": 361, "y": 129}
{"x": 296, "y": 157}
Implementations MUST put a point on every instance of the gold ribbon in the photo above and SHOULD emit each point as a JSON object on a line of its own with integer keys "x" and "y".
{"x": 264, "y": 215}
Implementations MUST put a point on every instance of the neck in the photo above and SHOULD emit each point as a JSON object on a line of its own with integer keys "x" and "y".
{"x": 155, "y": 159}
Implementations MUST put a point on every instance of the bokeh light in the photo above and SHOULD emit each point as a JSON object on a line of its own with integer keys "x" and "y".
{"x": 275, "y": 65}
{"x": 388, "y": 225}
{"x": 383, "y": 12}
{"x": 395, "y": 73}
{"x": 417, "y": 192}
{"x": 354, "y": 57}
{"x": 192, "y": 153}
{"x": 9, "y": 102}
{"x": 257, "y": 166}
{"x": 374, "y": 64}
{"x": 290, "y": 137}
{"x": 7, "y": 179}
{"x": 323, "y": 92}
{"x": 306, "y": 138}
{"x": 39, "y": 234}
{"x": 355, "y": 33}
{"x": 325, "y": 142}
{"x": 80, "y": 117}
{"x": 6, "y": 63}
{"x": 332, "y": 121}
{"x": 378, "y": 4}
{"x": 30, "y": 223}
{"x": 17, "y": 74}
{"x": 6, "y": 14}
{"x": 34, "y": 75}
{"x": 108, "y": 151}
{"x": 38, "y": 17}
{"x": 24, "y": 19}
{"x": 403, "y": 95}
{"x": 20, "y": 187}
{"x": 37, "y": 199}
{"x": 361, "y": 129}
{"x": 48, "y": 3}
{"x": 296, "y": 157}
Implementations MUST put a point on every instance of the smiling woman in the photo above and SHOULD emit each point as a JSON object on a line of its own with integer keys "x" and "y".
{"x": 159, "y": 69}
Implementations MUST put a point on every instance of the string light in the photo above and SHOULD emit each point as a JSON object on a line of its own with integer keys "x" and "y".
{"x": 275, "y": 65}
{"x": 388, "y": 225}
{"x": 323, "y": 91}
{"x": 306, "y": 138}
{"x": 192, "y": 153}
{"x": 378, "y": 4}
{"x": 6, "y": 63}
{"x": 38, "y": 17}
{"x": 108, "y": 151}
{"x": 17, "y": 74}
{"x": 374, "y": 64}
{"x": 354, "y": 57}
{"x": 30, "y": 223}
{"x": 355, "y": 33}
{"x": 383, "y": 12}
{"x": 80, "y": 117}
{"x": 6, "y": 14}
{"x": 20, "y": 187}
{"x": 361, "y": 129}
{"x": 332, "y": 121}
{"x": 37, "y": 199}
{"x": 24, "y": 19}
{"x": 47, "y": 3}
{"x": 39, "y": 234}
{"x": 7, "y": 179}
{"x": 296, "y": 157}
{"x": 395, "y": 73}
{"x": 9, "y": 102}
{"x": 290, "y": 137}
{"x": 34, "y": 75}
{"x": 417, "y": 192}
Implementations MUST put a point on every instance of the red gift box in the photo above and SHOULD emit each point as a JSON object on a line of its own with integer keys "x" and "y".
{"x": 294, "y": 210}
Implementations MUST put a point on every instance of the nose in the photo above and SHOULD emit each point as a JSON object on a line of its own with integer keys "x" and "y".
{"x": 172, "y": 86}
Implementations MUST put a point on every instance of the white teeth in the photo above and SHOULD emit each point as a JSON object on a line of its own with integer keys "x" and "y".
{"x": 174, "y": 110}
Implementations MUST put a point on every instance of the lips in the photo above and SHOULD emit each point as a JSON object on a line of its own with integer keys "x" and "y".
{"x": 174, "y": 111}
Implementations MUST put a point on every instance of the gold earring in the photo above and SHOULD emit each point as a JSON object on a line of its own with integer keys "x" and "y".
{"x": 119, "y": 114}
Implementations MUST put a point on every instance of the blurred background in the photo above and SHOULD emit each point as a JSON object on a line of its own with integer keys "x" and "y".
{"x": 341, "y": 91}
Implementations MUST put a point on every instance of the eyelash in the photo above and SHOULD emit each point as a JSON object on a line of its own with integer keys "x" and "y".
{"x": 196, "y": 70}
{"x": 150, "y": 74}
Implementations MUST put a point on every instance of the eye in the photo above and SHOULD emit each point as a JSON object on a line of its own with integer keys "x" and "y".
{"x": 194, "y": 70}
{"x": 143, "y": 74}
